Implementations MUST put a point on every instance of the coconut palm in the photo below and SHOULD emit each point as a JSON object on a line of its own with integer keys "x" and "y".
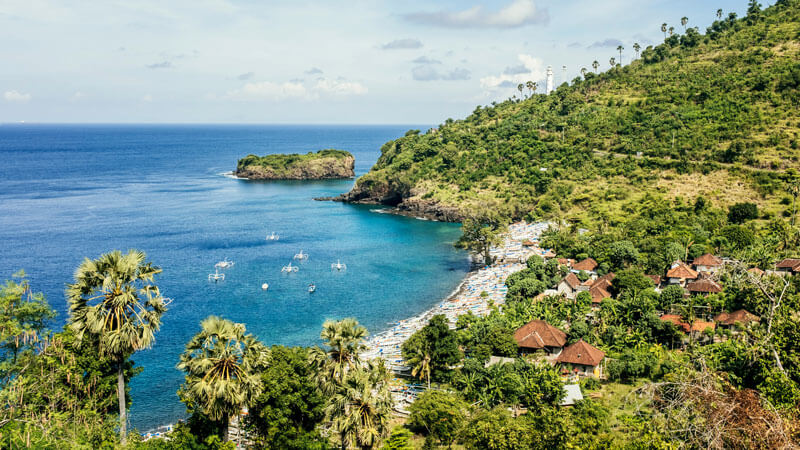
{"x": 222, "y": 366}
{"x": 345, "y": 340}
{"x": 359, "y": 410}
{"x": 664, "y": 29}
{"x": 684, "y": 21}
{"x": 530, "y": 85}
{"x": 612, "y": 61}
{"x": 421, "y": 365}
{"x": 534, "y": 85}
{"x": 595, "y": 65}
{"x": 671, "y": 31}
{"x": 620, "y": 48}
{"x": 636, "y": 48}
{"x": 719, "y": 13}
{"x": 520, "y": 87}
{"x": 115, "y": 302}
{"x": 583, "y": 71}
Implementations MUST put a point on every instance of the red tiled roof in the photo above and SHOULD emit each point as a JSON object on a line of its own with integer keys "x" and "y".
{"x": 677, "y": 320}
{"x": 789, "y": 263}
{"x": 741, "y": 316}
{"x": 704, "y": 285}
{"x": 589, "y": 282}
{"x": 539, "y": 334}
{"x": 700, "y": 325}
{"x": 680, "y": 270}
{"x": 587, "y": 264}
{"x": 572, "y": 280}
{"x": 598, "y": 294}
{"x": 581, "y": 353}
{"x": 756, "y": 271}
{"x": 707, "y": 260}
{"x": 565, "y": 262}
{"x": 656, "y": 279}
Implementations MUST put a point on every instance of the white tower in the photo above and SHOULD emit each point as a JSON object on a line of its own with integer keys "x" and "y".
{"x": 549, "y": 80}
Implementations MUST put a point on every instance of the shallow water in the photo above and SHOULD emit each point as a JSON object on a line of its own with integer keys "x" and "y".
{"x": 68, "y": 192}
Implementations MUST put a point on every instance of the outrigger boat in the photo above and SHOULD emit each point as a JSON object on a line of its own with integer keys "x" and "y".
{"x": 301, "y": 256}
{"x": 338, "y": 266}
{"x": 289, "y": 268}
{"x": 224, "y": 264}
{"x": 273, "y": 237}
{"x": 216, "y": 276}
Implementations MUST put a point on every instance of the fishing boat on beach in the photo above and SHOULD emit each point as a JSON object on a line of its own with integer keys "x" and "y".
{"x": 216, "y": 276}
{"x": 338, "y": 266}
{"x": 289, "y": 268}
{"x": 273, "y": 237}
{"x": 301, "y": 256}
{"x": 224, "y": 264}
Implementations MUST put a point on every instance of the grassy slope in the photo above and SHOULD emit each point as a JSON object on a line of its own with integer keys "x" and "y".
{"x": 730, "y": 97}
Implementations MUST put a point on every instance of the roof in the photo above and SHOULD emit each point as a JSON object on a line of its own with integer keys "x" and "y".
{"x": 704, "y": 285}
{"x": 680, "y": 269}
{"x": 598, "y": 294}
{"x": 581, "y": 353}
{"x": 572, "y": 280}
{"x": 656, "y": 279}
{"x": 565, "y": 262}
{"x": 539, "y": 334}
{"x": 549, "y": 254}
{"x": 756, "y": 271}
{"x": 741, "y": 316}
{"x": 572, "y": 394}
{"x": 589, "y": 282}
{"x": 789, "y": 263}
{"x": 707, "y": 260}
{"x": 587, "y": 264}
{"x": 697, "y": 325}
{"x": 609, "y": 277}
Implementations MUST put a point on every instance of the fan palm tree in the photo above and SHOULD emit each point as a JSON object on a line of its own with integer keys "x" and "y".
{"x": 359, "y": 410}
{"x": 115, "y": 301}
{"x": 684, "y": 21}
{"x": 671, "y": 31}
{"x": 583, "y": 71}
{"x": 520, "y": 87}
{"x": 345, "y": 340}
{"x": 636, "y": 48}
{"x": 534, "y": 85}
{"x": 222, "y": 364}
{"x": 620, "y": 48}
{"x": 595, "y": 65}
{"x": 612, "y": 61}
{"x": 530, "y": 85}
{"x": 664, "y": 30}
{"x": 719, "y": 13}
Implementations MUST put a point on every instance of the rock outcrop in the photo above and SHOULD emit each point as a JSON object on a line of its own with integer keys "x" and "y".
{"x": 322, "y": 165}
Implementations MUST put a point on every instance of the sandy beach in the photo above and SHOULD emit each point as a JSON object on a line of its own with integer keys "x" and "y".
{"x": 510, "y": 257}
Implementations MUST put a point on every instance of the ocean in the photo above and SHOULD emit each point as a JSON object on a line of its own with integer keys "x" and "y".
{"x": 73, "y": 191}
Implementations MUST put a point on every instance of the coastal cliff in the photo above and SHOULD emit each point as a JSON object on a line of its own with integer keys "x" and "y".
{"x": 322, "y": 165}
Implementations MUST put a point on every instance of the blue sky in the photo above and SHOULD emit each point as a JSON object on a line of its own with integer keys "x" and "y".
{"x": 300, "y": 61}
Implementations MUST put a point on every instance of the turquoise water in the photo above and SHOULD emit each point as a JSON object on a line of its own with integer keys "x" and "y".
{"x": 67, "y": 192}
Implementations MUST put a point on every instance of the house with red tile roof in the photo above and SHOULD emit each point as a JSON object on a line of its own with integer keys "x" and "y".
{"x": 582, "y": 359}
{"x": 587, "y": 265}
{"x": 568, "y": 286}
{"x": 680, "y": 273}
{"x": 789, "y": 265}
{"x": 540, "y": 335}
{"x": 740, "y": 316}
{"x": 698, "y": 326}
{"x": 703, "y": 286}
{"x": 598, "y": 294}
{"x": 707, "y": 263}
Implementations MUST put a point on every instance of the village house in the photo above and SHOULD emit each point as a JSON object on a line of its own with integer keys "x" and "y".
{"x": 697, "y": 327}
{"x": 587, "y": 265}
{"x": 581, "y": 359}
{"x": 788, "y": 265}
{"x": 540, "y": 335}
{"x": 707, "y": 263}
{"x": 680, "y": 273}
{"x": 729, "y": 320}
{"x": 656, "y": 280}
{"x": 568, "y": 286}
{"x": 703, "y": 286}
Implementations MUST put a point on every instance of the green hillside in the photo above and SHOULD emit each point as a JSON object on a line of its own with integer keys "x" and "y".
{"x": 711, "y": 114}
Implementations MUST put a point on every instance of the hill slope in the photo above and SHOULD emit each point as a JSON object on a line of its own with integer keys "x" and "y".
{"x": 712, "y": 115}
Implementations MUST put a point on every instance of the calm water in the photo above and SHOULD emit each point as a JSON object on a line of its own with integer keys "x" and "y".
{"x": 67, "y": 192}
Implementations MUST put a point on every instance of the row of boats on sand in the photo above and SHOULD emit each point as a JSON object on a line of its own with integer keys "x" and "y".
{"x": 289, "y": 268}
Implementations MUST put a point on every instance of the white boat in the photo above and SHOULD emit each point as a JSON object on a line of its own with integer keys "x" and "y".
{"x": 216, "y": 276}
{"x": 311, "y": 288}
{"x": 273, "y": 237}
{"x": 338, "y": 266}
{"x": 224, "y": 264}
{"x": 264, "y": 287}
{"x": 289, "y": 268}
{"x": 301, "y": 256}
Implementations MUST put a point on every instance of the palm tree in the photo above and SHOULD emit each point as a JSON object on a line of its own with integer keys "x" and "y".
{"x": 222, "y": 366}
{"x": 636, "y": 48}
{"x": 421, "y": 365}
{"x": 595, "y": 65}
{"x": 684, "y": 21}
{"x": 671, "y": 31}
{"x": 620, "y": 48}
{"x": 520, "y": 87}
{"x": 612, "y": 61}
{"x": 114, "y": 299}
{"x": 359, "y": 410}
{"x": 719, "y": 13}
{"x": 583, "y": 71}
{"x": 530, "y": 85}
{"x": 345, "y": 340}
{"x": 534, "y": 85}
{"x": 664, "y": 30}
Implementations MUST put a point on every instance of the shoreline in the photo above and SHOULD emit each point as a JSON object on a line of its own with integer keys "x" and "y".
{"x": 467, "y": 297}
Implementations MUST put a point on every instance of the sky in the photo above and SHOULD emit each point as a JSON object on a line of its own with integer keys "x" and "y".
{"x": 307, "y": 62}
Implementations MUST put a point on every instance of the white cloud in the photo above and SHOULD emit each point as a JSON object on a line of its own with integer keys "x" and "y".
{"x": 16, "y": 96}
{"x": 78, "y": 95}
{"x": 296, "y": 89}
{"x": 516, "y": 14}
{"x": 147, "y": 98}
{"x": 534, "y": 71}
{"x": 341, "y": 87}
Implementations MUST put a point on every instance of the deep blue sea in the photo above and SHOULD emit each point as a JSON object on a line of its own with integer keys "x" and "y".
{"x": 74, "y": 191}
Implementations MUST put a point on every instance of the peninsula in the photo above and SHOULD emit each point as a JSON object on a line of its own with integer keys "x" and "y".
{"x": 322, "y": 165}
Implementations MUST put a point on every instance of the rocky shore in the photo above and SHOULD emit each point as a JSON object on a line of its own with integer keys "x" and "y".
{"x": 322, "y": 165}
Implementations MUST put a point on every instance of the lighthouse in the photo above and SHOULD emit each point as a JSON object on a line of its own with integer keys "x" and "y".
{"x": 549, "y": 80}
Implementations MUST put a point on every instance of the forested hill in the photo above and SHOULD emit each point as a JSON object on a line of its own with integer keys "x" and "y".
{"x": 712, "y": 114}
